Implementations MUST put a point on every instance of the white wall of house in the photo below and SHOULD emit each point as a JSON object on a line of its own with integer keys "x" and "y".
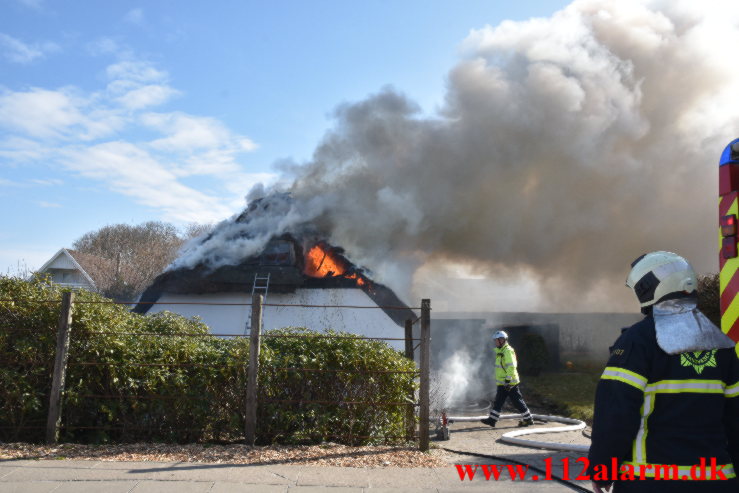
{"x": 229, "y": 318}
{"x": 225, "y": 319}
{"x": 62, "y": 262}
{"x": 65, "y": 277}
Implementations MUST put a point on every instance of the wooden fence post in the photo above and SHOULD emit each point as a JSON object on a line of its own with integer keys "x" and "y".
{"x": 251, "y": 383}
{"x": 54, "y": 418}
{"x": 425, "y": 374}
{"x": 409, "y": 339}
{"x": 410, "y": 412}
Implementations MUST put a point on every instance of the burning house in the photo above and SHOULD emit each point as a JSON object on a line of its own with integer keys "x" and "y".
{"x": 306, "y": 282}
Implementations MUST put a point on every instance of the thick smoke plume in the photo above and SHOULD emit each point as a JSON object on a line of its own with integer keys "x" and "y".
{"x": 565, "y": 147}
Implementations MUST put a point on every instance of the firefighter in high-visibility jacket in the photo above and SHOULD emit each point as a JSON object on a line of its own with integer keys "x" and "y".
{"x": 666, "y": 413}
{"x": 506, "y": 380}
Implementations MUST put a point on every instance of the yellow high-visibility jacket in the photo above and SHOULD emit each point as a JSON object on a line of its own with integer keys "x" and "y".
{"x": 506, "y": 372}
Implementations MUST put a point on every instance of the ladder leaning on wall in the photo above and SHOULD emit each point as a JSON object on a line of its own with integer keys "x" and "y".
{"x": 260, "y": 285}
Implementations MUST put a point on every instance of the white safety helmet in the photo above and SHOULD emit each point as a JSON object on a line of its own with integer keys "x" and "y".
{"x": 500, "y": 334}
{"x": 660, "y": 275}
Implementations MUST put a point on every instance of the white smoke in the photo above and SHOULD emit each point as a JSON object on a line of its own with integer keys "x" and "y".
{"x": 460, "y": 379}
{"x": 566, "y": 147}
{"x": 245, "y": 234}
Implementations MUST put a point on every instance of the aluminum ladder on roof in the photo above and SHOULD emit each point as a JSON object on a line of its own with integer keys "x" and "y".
{"x": 260, "y": 285}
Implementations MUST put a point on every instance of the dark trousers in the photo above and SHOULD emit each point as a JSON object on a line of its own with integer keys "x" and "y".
{"x": 516, "y": 398}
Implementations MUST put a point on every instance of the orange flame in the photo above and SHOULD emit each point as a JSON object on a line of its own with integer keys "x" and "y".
{"x": 320, "y": 261}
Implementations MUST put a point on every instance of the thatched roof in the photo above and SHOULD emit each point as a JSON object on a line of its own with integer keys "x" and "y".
{"x": 283, "y": 279}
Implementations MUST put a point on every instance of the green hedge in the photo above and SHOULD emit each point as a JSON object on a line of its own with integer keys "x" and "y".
{"x": 127, "y": 395}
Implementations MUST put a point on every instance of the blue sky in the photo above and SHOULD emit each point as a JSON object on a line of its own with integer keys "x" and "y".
{"x": 124, "y": 112}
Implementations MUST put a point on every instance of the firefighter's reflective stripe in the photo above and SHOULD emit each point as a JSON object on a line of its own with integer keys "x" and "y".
{"x": 639, "y": 452}
{"x": 625, "y": 376}
{"x": 644, "y": 469}
{"x": 667, "y": 387}
{"x": 732, "y": 390}
{"x": 679, "y": 386}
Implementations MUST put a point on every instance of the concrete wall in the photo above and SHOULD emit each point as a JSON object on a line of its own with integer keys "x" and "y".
{"x": 583, "y": 338}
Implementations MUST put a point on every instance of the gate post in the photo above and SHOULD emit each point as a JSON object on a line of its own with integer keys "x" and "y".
{"x": 410, "y": 412}
{"x": 54, "y": 418}
{"x": 251, "y": 382}
{"x": 423, "y": 428}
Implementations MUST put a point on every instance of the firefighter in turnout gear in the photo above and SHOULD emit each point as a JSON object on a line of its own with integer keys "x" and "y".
{"x": 506, "y": 380}
{"x": 666, "y": 415}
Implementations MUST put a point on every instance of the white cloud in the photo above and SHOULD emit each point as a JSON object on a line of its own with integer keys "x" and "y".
{"x": 19, "y": 149}
{"x": 137, "y": 85}
{"x": 103, "y": 46}
{"x": 44, "y": 183}
{"x": 186, "y": 132}
{"x": 127, "y": 169}
{"x": 135, "y": 16}
{"x": 60, "y": 114}
{"x": 136, "y": 71}
{"x": 49, "y": 182}
{"x": 243, "y": 182}
{"x": 145, "y": 96}
{"x": 206, "y": 146}
{"x": 17, "y": 51}
{"x": 67, "y": 128}
{"x": 49, "y": 205}
{"x": 34, "y": 4}
{"x": 40, "y": 112}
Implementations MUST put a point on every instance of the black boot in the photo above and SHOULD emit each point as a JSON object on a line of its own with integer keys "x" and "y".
{"x": 489, "y": 421}
{"x": 526, "y": 422}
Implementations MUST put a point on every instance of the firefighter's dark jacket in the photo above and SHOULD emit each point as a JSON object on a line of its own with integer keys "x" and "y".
{"x": 654, "y": 408}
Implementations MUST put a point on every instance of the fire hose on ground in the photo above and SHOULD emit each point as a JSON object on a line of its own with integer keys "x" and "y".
{"x": 513, "y": 436}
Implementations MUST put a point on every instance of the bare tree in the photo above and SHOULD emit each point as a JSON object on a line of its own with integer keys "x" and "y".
{"x": 193, "y": 230}
{"x": 128, "y": 258}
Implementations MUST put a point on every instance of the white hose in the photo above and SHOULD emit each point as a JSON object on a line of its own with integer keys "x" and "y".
{"x": 511, "y": 436}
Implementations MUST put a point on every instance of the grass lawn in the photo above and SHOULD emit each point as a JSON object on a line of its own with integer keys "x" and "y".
{"x": 566, "y": 393}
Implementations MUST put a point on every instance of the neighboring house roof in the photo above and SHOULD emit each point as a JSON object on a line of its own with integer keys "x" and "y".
{"x": 92, "y": 268}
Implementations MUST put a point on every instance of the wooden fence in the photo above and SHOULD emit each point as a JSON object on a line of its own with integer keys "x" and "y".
{"x": 54, "y": 420}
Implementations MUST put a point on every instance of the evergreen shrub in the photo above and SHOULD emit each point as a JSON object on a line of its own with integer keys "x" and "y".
{"x": 157, "y": 378}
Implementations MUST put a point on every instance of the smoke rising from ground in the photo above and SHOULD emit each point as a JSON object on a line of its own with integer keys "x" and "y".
{"x": 565, "y": 147}
{"x": 460, "y": 380}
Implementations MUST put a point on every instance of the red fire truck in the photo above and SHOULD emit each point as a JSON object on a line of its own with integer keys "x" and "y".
{"x": 728, "y": 211}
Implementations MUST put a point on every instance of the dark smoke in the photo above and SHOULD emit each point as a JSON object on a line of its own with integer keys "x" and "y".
{"x": 565, "y": 148}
